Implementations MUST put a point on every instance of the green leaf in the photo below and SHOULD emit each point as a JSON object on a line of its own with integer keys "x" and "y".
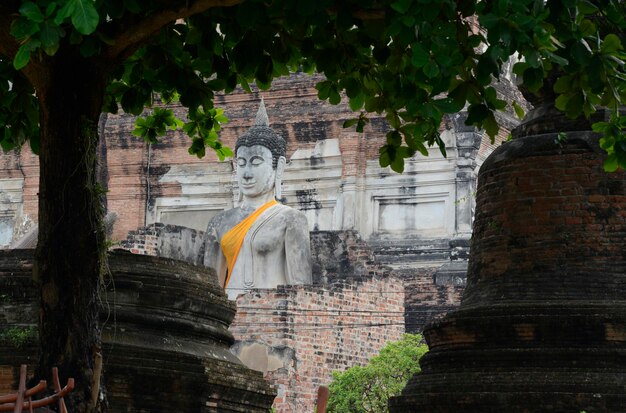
{"x": 351, "y": 86}
{"x": 394, "y": 138}
{"x": 476, "y": 114}
{"x": 491, "y": 126}
{"x": 357, "y": 102}
{"x": 7, "y": 144}
{"x": 519, "y": 68}
{"x": 385, "y": 158}
{"x": 600, "y": 127}
{"x": 533, "y": 78}
{"x": 66, "y": 11}
{"x": 50, "y": 36}
{"x": 611, "y": 44}
{"x": 557, "y": 59}
{"x": 223, "y": 153}
{"x": 431, "y": 69}
{"x": 350, "y": 122}
{"x": 22, "y": 56}
{"x": 363, "y": 120}
{"x": 34, "y": 143}
{"x": 420, "y": 56}
{"x": 85, "y": 16}
{"x": 401, "y": 6}
{"x": 417, "y": 144}
{"x": 397, "y": 164}
{"x": 393, "y": 119}
{"x": 323, "y": 89}
{"x": 519, "y": 111}
{"x": 190, "y": 128}
{"x": 586, "y": 7}
{"x": 264, "y": 70}
{"x": 334, "y": 98}
{"x": 561, "y": 102}
{"x": 611, "y": 163}
{"x": 197, "y": 148}
{"x": 216, "y": 84}
{"x": 22, "y": 28}
{"x": 441, "y": 144}
{"x": 31, "y": 11}
{"x": 133, "y": 101}
{"x": 375, "y": 104}
{"x": 587, "y": 28}
{"x": 50, "y": 9}
{"x": 574, "y": 105}
{"x": 244, "y": 84}
{"x": 563, "y": 84}
{"x": 405, "y": 152}
{"x": 580, "y": 54}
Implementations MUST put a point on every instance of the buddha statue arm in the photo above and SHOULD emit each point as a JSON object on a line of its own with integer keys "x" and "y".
{"x": 298, "y": 250}
{"x": 213, "y": 256}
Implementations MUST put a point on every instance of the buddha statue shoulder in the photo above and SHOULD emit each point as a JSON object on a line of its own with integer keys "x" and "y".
{"x": 261, "y": 243}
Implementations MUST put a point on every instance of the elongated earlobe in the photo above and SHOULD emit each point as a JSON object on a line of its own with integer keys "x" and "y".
{"x": 280, "y": 168}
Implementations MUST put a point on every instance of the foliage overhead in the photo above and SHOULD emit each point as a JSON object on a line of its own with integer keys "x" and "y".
{"x": 366, "y": 389}
{"x": 413, "y": 60}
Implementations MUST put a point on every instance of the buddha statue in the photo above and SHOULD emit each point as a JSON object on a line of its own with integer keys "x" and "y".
{"x": 261, "y": 243}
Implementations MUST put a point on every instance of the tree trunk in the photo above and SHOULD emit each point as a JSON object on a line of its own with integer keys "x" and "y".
{"x": 71, "y": 250}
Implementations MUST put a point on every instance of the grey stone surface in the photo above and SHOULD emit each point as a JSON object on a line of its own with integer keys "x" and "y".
{"x": 165, "y": 335}
{"x": 452, "y": 273}
{"x": 181, "y": 243}
{"x": 262, "y": 357}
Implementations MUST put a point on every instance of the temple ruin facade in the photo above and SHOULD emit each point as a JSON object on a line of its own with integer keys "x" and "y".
{"x": 373, "y": 232}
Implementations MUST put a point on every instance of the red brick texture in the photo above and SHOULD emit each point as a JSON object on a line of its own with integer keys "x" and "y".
{"x": 329, "y": 328}
{"x": 542, "y": 323}
{"x": 554, "y": 213}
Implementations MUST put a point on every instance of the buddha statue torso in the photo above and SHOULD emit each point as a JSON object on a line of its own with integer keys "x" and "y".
{"x": 262, "y": 243}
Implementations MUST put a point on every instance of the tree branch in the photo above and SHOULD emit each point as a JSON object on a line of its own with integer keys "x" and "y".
{"x": 33, "y": 71}
{"x": 8, "y": 44}
{"x": 127, "y": 42}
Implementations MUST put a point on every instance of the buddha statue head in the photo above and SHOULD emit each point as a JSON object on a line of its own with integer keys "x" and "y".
{"x": 260, "y": 156}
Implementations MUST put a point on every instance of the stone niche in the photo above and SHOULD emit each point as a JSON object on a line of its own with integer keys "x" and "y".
{"x": 165, "y": 334}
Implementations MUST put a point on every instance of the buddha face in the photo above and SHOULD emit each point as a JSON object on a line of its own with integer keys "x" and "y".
{"x": 255, "y": 172}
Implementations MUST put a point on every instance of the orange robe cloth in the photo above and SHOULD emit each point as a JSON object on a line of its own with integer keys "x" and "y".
{"x": 233, "y": 240}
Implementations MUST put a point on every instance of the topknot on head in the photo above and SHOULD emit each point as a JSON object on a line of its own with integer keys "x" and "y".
{"x": 261, "y": 134}
{"x": 261, "y": 116}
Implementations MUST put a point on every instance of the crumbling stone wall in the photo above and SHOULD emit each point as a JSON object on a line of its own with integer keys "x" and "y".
{"x": 425, "y": 298}
{"x": 169, "y": 241}
{"x": 342, "y": 255}
{"x": 164, "y": 332}
{"x": 299, "y": 335}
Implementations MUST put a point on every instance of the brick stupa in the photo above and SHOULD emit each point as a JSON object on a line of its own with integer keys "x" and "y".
{"x": 542, "y": 324}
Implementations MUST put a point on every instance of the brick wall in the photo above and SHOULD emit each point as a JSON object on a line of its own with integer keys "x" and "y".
{"x": 549, "y": 212}
{"x": 135, "y": 168}
{"x": 327, "y": 328}
{"x": 314, "y": 330}
{"x": 344, "y": 320}
{"x": 425, "y": 299}
{"x": 169, "y": 241}
{"x": 143, "y": 240}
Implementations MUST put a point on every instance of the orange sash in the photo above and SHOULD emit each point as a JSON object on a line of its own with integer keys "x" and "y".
{"x": 233, "y": 239}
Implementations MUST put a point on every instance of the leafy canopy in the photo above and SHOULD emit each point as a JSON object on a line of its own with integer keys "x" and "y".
{"x": 366, "y": 389}
{"x": 413, "y": 60}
